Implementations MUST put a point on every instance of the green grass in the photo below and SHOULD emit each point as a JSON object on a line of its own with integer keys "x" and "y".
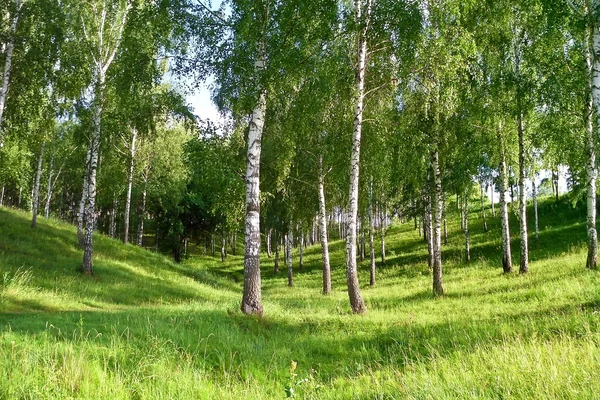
{"x": 147, "y": 328}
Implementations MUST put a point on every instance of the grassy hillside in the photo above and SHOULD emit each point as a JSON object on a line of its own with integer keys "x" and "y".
{"x": 145, "y": 327}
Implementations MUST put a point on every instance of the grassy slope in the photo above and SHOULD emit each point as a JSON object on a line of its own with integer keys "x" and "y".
{"x": 147, "y": 328}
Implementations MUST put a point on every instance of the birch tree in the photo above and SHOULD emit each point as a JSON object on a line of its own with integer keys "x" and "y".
{"x": 102, "y": 26}
{"x": 8, "y": 58}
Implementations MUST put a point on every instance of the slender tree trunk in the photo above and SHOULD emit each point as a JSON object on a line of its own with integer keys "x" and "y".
{"x": 288, "y": 244}
{"x": 103, "y": 59}
{"x": 36, "y": 188}
{"x": 445, "y": 223}
{"x": 234, "y": 243}
{"x": 383, "y": 229}
{"x": 90, "y": 204}
{"x": 485, "y": 227}
{"x": 276, "y": 261}
{"x": 438, "y": 288}
{"x": 506, "y": 253}
{"x": 49, "y": 189}
{"x": 467, "y": 234}
{"x": 223, "y": 246}
{"x": 462, "y": 213}
{"x": 140, "y": 232}
{"x": 493, "y": 206}
{"x": 323, "y": 227}
{"x": 83, "y": 201}
{"x": 556, "y": 177}
{"x": 593, "y": 99}
{"x": 112, "y": 225}
{"x": 8, "y": 66}
{"x": 301, "y": 249}
{"x": 132, "y": 149}
{"x": 535, "y": 207}
{"x": 524, "y": 259}
{"x": 428, "y": 228}
{"x": 252, "y": 297}
{"x": 363, "y": 18}
{"x": 372, "y": 280}
{"x": 269, "y": 242}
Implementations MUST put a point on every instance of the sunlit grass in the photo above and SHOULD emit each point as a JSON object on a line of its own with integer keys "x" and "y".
{"x": 145, "y": 327}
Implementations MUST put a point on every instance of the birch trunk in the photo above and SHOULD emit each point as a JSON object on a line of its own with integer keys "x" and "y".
{"x": 84, "y": 194}
{"x": 438, "y": 288}
{"x": 372, "y": 269}
{"x": 223, "y": 246}
{"x": 535, "y": 208}
{"x": 2, "y": 196}
{"x": 301, "y": 250}
{"x": 288, "y": 245}
{"x": 492, "y": 197}
{"x": 485, "y": 227}
{"x": 252, "y": 297}
{"x": 506, "y": 253}
{"x": 104, "y": 54}
{"x": 323, "y": 228}
{"x": 445, "y": 222}
{"x": 269, "y": 242}
{"x": 356, "y": 301}
{"x": 8, "y": 66}
{"x": 428, "y": 230}
{"x": 132, "y": 149}
{"x": 276, "y": 261}
{"x": 140, "y": 232}
{"x": 49, "y": 189}
{"x": 593, "y": 65}
{"x": 234, "y": 243}
{"x": 36, "y": 188}
{"x": 363, "y": 245}
{"x": 467, "y": 234}
{"x": 90, "y": 203}
{"x": 383, "y": 227}
{"x": 524, "y": 259}
{"x": 112, "y": 225}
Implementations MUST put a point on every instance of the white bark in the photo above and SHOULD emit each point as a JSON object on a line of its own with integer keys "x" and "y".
{"x": 383, "y": 226}
{"x": 506, "y": 253}
{"x": 49, "y": 188}
{"x": 140, "y": 232}
{"x": 363, "y": 18}
{"x": 112, "y": 223}
{"x": 288, "y": 253}
{"x": 467, "y": 234}
{"x": 485, "y": 227}
{"x": 372, "y": 269}
{"x": 103, "y": 54}
{"x": 593, "y": 99}
{"x": 36, "y": 187}
{"x": 535, "y": 207}
{"x": 8, "y": 66}
{"x": 252, "y": 297}
{"x": 132, "y": 149}
{"x": 323, "y": 228}
{"x": 84, "y": 194}
{"x": 438, "y": 288}
{"x": 94, "y": 152}
{"x": 301, "y": 249}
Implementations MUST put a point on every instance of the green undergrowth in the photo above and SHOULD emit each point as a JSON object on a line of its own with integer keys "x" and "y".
{"x": 146, "y": 328}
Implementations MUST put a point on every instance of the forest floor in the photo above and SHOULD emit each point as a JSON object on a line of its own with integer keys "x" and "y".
{"x": 146, "y": 328}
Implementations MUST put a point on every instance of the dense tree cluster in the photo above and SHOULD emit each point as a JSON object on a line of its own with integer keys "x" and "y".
{"x": 341, "y": 116}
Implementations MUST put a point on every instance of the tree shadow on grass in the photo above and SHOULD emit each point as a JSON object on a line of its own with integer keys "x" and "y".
{"x": 333, "y": 346}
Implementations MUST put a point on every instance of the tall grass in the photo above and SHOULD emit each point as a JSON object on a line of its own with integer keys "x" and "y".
{"x": 147, "y": 328}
